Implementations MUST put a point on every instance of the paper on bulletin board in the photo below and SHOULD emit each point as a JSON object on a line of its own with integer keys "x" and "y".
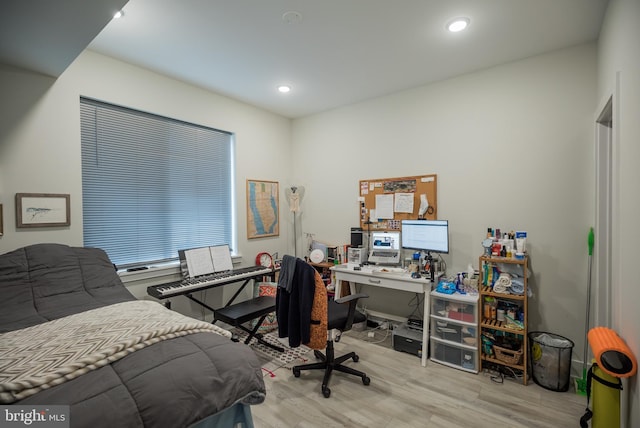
{"x": 404, "y": 203}
{"x": 364, "y": 188}
{"x": 384, "y": 206}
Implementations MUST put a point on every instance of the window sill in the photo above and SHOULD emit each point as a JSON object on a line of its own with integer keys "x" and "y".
{"x": 165, "y": 272}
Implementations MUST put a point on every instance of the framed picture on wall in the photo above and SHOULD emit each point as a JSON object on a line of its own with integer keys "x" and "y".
{"x": 263, "y": 209}
{"x": 42, "y": 210}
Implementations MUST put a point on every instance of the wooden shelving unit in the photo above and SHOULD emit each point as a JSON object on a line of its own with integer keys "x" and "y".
{"x": 493, "y": 325}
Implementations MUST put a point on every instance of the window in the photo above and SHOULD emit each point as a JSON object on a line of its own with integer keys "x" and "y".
{"x": 153, "y": 185}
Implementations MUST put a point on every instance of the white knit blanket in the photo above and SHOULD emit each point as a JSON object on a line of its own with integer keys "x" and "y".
{"x": 48, "y": 354}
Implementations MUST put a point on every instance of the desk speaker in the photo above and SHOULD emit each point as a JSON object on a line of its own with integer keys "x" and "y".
{"x": 357, "y": 237}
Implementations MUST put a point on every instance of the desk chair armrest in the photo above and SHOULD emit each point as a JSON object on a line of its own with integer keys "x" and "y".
{"x": 351, "y": 297}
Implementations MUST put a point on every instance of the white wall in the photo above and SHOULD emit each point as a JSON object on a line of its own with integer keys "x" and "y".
{"x": 40, "y": 140}
{"x": 619, "y": 76}
{"x": 512, "y": 147}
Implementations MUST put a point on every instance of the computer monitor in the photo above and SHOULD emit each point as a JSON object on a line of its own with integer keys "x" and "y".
{"x": 385, "y": 241}
{"x": 426, "y": 235}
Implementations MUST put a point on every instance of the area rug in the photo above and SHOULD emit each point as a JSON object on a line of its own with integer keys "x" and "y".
{"x": 272, "y": 359}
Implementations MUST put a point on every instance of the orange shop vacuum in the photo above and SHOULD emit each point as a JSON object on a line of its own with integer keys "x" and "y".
{"x": 613, "y": 361}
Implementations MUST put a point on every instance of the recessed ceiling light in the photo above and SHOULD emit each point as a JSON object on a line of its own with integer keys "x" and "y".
{"x": 119, "y": 14}
{"x": 458, "y": 24}
{"x": 284, "y": 88}
{"x": 292, "y": 17}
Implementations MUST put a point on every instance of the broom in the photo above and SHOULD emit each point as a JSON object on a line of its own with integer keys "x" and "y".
{"x": 581, "y": 384}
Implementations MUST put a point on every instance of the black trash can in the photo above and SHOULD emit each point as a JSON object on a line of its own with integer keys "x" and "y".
{"x": 550, "y": 360}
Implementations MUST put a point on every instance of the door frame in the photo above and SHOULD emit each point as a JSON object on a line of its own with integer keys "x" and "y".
{"x": 602, "y": 292}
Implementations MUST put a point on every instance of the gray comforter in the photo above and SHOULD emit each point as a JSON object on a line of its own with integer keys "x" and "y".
{"x": 172, "y": 383}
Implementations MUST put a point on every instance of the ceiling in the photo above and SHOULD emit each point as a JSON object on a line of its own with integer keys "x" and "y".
{"x": 46, "y": 36}
{"x": 331, "y": 52}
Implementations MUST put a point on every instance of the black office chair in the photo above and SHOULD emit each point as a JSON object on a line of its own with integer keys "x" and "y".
{"x": 342, "y": 314}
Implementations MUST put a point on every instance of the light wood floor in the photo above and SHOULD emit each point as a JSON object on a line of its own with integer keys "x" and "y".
{"x": 402, "y": 393}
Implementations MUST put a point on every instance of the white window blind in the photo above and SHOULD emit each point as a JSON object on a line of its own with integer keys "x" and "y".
{"x": 153, "y": 185}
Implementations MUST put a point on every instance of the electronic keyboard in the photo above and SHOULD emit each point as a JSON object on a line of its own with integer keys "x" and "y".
{"x": 190, "y": 285}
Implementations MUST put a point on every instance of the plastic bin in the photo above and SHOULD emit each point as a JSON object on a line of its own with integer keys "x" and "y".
{"x": 550, "y": 360}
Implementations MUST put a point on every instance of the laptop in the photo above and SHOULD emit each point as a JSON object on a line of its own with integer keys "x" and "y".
{"x": 385, "y": 248}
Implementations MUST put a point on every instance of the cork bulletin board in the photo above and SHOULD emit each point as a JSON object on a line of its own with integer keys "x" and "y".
{"x": 385, "y": 202}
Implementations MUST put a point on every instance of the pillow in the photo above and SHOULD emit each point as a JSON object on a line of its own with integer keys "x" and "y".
{"x": 270, "y": 323}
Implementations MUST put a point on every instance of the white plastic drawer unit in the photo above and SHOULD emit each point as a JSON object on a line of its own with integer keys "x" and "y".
{"x": 456, "y": 356}
{"x": 458, "y": 307}
{"x": 454, "y": 331}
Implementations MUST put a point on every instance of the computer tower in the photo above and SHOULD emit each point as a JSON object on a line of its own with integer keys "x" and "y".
{"x": 358, "y": 238}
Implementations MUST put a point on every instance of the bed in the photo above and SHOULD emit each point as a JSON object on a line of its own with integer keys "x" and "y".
{"x": 72, "y": 335}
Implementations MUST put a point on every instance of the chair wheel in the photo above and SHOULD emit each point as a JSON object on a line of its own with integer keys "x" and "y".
{"x": 326, "y": 392}
{"x": 366, "y": 380}
{"x": 296, "y": 372}
{"x": 355, "y": 358}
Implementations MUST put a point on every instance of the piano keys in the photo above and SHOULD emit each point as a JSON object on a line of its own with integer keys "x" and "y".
{"x": 190, "y": 285}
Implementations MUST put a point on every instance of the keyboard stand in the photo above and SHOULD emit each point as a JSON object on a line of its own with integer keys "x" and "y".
{"x": 240, "y": 313}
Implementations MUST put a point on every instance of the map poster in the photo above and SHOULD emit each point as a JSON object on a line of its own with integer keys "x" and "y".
{"x": 263, "y": 209}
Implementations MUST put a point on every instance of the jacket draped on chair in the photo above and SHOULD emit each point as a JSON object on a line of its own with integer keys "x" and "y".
{"x": 301, "y": 304}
